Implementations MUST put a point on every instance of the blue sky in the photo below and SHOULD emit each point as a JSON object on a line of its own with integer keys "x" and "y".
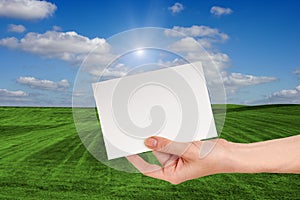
{"x": 258, "y": 40}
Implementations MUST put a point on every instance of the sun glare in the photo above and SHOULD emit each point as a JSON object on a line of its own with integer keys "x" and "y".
{"x": 140, "y": 52}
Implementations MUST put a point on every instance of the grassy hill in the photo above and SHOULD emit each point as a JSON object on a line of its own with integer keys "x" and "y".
{"x": 42, "y": 157}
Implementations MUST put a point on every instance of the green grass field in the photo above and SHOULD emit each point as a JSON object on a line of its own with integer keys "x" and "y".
{"x": 42, "y": 157}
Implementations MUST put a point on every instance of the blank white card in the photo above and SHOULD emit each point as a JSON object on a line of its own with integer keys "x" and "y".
{"x": 171, "y": 102}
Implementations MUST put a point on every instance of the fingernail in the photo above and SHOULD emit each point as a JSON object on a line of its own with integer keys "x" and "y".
{"x": 151, "y": 142}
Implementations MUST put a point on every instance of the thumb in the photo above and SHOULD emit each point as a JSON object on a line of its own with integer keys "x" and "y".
{"x": 166, "y": 146}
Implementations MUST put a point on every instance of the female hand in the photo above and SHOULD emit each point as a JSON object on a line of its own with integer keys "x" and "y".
{"x": 182, "y": 161}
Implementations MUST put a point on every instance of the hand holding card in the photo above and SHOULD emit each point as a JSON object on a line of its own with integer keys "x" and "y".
{"x": 172, "y": 103}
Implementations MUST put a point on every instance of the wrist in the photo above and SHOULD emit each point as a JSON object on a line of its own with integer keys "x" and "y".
{"x": 224, "y": 156}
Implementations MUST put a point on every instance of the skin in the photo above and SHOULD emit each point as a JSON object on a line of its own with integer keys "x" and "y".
{"x": 185, "y": 161}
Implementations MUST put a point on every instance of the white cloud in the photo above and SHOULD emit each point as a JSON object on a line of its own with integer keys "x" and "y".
{"x": 67, "y": 46}
{"x": 44, "y": 84}
{"x": 195, "y": 52}
{"x": 26, "y": 9}
{"x": 187, "y": 44}
{"x": 296, "y": 71}
{"x": 16, "y": 28}
{"x": 13, "y": 98}
{"x": 172, "y": 63}
{"x": 286, "y": 96}
{"x": 9, "y": 93}
{"x": 244, "y": 79}
{"x": 219, "y": 11}
{"x": 234, "y": 81}
{"x": 215, "y": 63}
{"x": 113, "y": 72}
{"x": 204, "y": 35}
{"x": 21, "y": 98}
{"x": 59, "y": 44}
{"x": 197, "y": 31}
{"x": 287, "y": 93}
{"x": 176, "y": 8}
{"x": 10, "y": 42}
